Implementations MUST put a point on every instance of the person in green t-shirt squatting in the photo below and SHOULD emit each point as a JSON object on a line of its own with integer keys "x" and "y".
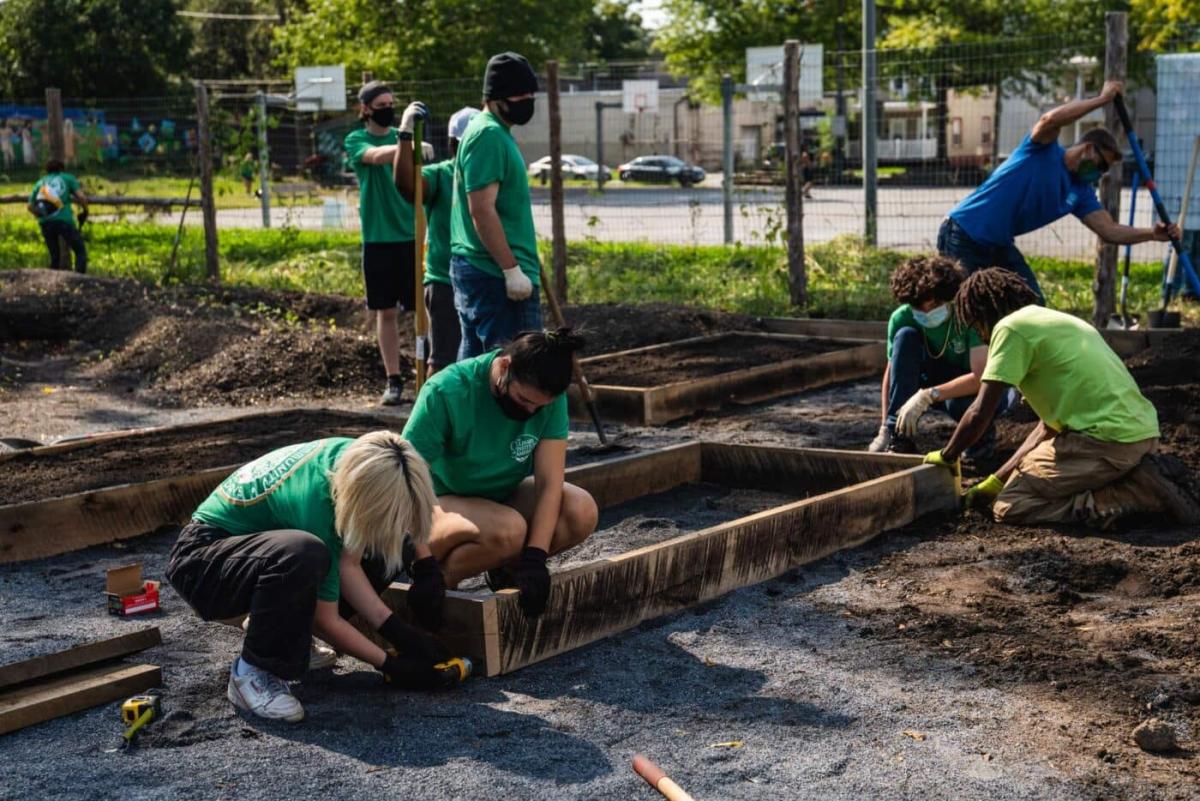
{"x": 934, "y": 360}
{"x": 388, "y": 250}
{"x": 437, "y": 193}
{"x": 1093, "y": 457}
{"x": 301, "y": 539}
{"x": 50, "y": 202}
{"x": 493, "y": 429}
{"x": 494, "y": 262}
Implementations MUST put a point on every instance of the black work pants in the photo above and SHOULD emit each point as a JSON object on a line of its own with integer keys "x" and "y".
{"x": 51, "y": 231}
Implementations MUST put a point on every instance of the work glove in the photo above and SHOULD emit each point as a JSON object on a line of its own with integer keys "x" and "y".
{"x": 955, "y": 467}
{"x": 911, "y": 411}
{"x": 533, "y": 580}
{"x": 881, "y": 441}
{"x": 516, "y": 284}
{"x": 407, "y": 673}
{"x": 415, "y": 111}
{"x": 427, "y": 592}
{"x": 412, "y": 643}
{"x": 981, "y": 496}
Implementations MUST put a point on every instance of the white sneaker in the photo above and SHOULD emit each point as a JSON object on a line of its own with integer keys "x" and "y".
{"x": 882, "y": 440}
{"x": 320, "y": 655}
{"x": 263, "y": 694}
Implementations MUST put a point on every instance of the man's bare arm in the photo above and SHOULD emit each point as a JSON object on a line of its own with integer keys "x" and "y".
{"x": 1046, "y": 129}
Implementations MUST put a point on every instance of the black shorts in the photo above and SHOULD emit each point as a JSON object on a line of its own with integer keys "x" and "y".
{"x": 445, "y": 333}
{"x": 388, "y": 274}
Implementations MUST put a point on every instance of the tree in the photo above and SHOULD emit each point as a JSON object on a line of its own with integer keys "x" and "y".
{"x": 224, "y": 48}
{"x": 1165, "y": 25}
{"x": 431, "y": 39}
{"x": 615, "y": 33}
{"x": 90, "y": 48}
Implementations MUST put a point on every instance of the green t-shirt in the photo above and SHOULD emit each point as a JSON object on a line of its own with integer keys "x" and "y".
{"x": 57, "y": 186}
{"x": 438, "y": 205}
{"x": 961, "y": 338}
{"x": 488, "y": 154}
{"x": 287, "y": 488}
{"x": 385, "y": 215}
{"x": 1069, "y": 375}
{"x": 471, "y": 446}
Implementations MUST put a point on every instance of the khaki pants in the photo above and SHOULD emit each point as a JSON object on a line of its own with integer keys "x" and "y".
{"x": 1072, "y": 478}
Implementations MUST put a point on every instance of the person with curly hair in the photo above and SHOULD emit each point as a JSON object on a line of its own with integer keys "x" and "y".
{"x": 1093, "y": 456}
{"x": 934, "y": 361}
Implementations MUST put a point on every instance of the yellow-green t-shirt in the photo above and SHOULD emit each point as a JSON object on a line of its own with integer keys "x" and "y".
{"x": 1069, "y": 375}
{"x": 487, "y": 155}
{"x": 384, "y": 214}
{"x": 471, "y": 446}
{"x": 438, "y": 206}
{"x": 287, "y": 488}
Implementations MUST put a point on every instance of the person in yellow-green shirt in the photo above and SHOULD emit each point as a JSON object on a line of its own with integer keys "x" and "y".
{"x": 1093, "y": 456}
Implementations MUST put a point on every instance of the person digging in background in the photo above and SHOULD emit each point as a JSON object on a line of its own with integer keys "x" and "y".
{"x": 1093, "y": 455}
{"x": 494, "y": 263}
{"x": 934, "y": 359}
{"x": 293, "y": 534}
{"x": 494, "y": 432}
{"x": 50, "y": 202}
{"x": 388, "y": 251}
{"x": 1039, "y": 183}
{"x": 437, "y": 193}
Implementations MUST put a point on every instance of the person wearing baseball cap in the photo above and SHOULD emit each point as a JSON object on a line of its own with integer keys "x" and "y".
{"x": 437, "y": 194}
{"x": 494, "y": 264}
{"x": 388, "y": 251}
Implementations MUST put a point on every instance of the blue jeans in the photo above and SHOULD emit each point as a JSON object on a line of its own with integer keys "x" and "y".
{"x": 51, "y": 231}
{"x": 955, "y": 242}
{"x": 913, "y": 368}
{"x": 487, "y": 317}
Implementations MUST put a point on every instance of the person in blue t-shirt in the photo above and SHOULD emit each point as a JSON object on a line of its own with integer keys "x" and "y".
{"x": 1040, "y": 182}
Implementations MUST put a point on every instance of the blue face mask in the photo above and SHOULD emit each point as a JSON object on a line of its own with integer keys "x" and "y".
{"x": 934, "y": 317}
{"x": 1088, "y": 172}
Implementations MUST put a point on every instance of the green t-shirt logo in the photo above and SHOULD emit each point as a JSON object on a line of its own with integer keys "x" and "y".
{"x": 522, "y": 447}
{"x": 260, "y": 478}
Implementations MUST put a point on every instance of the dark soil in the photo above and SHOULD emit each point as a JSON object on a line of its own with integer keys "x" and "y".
{"x": 695, "y": 360}
{"x": 1169, "y": 376}
{"x": 151, "y": 455}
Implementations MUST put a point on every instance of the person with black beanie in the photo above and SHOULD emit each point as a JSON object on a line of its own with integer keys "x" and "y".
{"x": 494, "y": 265}
{"x": 388, "y": 250}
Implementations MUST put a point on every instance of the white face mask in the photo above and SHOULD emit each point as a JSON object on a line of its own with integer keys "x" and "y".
{"x": 934, "y": 317}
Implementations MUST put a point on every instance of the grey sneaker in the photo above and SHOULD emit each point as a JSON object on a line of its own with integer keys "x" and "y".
{"x": 263, "y": 694}
{"x": 391, "y": 395}
{"x": 882, "y": 440}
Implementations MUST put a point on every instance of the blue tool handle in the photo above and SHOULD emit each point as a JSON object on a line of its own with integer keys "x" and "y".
{"x": 1147, "y": 178}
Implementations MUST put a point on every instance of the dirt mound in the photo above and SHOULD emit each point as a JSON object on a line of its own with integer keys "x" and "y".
{"x": 609, "y": 327}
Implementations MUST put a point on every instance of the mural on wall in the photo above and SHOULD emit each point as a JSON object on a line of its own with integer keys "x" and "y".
{"x": 91, "y": 137}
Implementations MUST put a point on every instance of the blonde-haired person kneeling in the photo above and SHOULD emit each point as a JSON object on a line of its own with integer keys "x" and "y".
{"x": 284, "y": 539}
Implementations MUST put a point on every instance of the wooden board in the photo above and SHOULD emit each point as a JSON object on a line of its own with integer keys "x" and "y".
{"x": 89, "y": 653}
{"x": 56, "y": 697}
{"x": 469, "y": 625}
{"x": 662, "y": 404}
{"x": 60, "y": 525}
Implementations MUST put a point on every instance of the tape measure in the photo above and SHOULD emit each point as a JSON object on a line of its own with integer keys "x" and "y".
{"x": 137, "y": 711}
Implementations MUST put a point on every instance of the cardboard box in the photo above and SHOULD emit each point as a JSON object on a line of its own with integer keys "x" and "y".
{"x": 128, "y": 594}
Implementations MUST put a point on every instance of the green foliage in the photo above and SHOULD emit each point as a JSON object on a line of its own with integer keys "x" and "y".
{"x": 615, "y": 33}
{"x": 1165, "y": 26}
{"x": 90, "y": 48}
{"x": 224, "y": 48}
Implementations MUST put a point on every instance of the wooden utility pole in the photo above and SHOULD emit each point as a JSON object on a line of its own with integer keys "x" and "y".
{"x": 797, "y": 281}
{"x": 870, "y": 125}
{"x": 208, "y": 206}
{"x": 54, "y": 125}
{"x": 1116, "y": 51}
{"x": 558, "y": 226}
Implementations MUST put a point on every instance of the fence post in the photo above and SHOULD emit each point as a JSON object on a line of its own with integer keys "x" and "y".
{"x": 727, "y": 153}
{"x": 208, "y": 206}
{"x": 558, "y": 233}
{"x": 264, "y": 158}
{"x": 600, "y": 145}
{"x": 58, "y": 150}
{"x": 797, "y": 281}
{"x": 1105, "y": 285}
{"x": 869, "y": 123}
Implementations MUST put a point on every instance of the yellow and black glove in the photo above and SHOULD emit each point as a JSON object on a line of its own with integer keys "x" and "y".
{"x": 955, "y": 467}
{"x": 981, "y": 496}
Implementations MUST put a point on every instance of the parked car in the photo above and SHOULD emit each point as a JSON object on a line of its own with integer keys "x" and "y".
{"x": 661, "y": 169}
{"x": 578, "y": 167}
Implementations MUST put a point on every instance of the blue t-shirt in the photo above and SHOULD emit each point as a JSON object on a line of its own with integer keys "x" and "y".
{"x": 1031, "y": 189}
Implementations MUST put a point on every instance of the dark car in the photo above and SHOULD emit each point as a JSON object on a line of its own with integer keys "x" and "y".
{"x": 661, "y": 169}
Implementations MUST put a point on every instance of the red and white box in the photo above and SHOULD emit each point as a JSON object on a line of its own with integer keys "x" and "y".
{"x": 128, "y": 594}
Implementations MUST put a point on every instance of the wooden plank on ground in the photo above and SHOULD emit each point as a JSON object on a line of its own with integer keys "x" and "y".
{"x": 71, "y": 522}
{"x": 624, "y": 478}
{"x": 468, "y": 625}
{"x": 64, "y": 695}
{"x": 795, "y": 469}
{"x": 81, "y": 655}
{"x": 615, "y": 594}
{"x": 852, "y": 329}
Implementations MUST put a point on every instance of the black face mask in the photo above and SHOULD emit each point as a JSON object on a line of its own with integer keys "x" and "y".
{"x": 512, "y": 410}
{"x": 383, "y": 117}
{"x": 518, "y": 112}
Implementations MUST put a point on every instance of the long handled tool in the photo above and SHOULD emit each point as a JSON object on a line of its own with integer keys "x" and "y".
{"x": 659, "y": 780}
{"x": 584, "y": 390}
{"x": 1159, "y": 207}
{"x": 420, "y": 318}
{"x": 1173, "y": 264}
{"x": 1123, "y": 319}
{"x": 187, "y": 201}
